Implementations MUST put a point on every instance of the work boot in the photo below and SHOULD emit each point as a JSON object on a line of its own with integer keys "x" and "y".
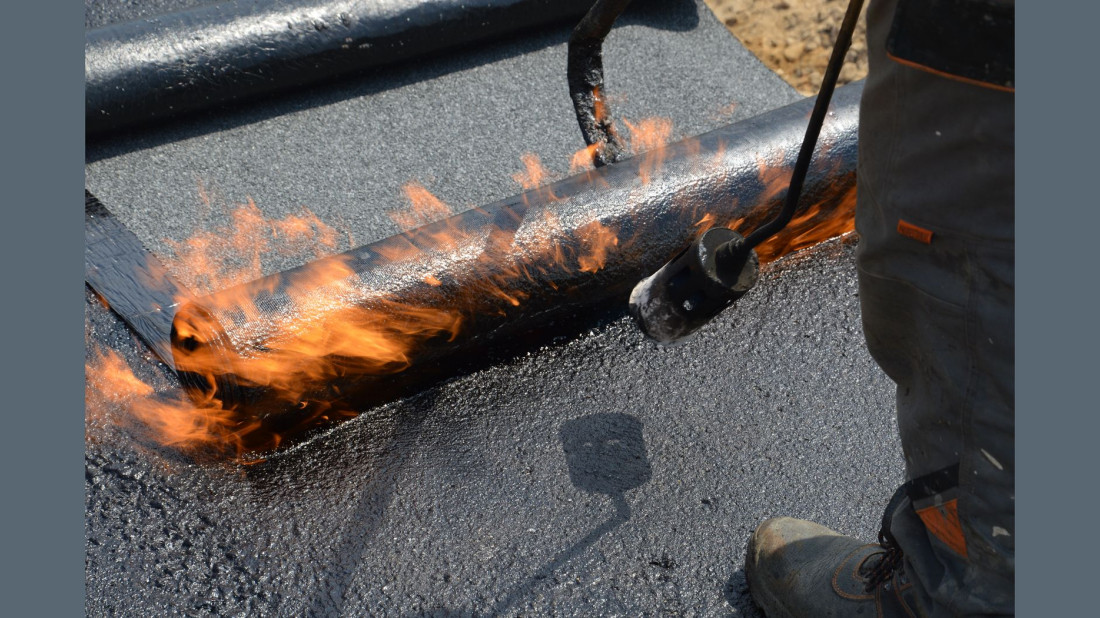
{"x": 799, "y": 569}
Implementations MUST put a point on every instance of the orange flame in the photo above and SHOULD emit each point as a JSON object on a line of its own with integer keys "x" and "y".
{"x": 113, "y": 379}
{"x": 424, "y": 208}
{"x": 598, "y": 241}
{"x": 599, "y": 107}
{"x": 648, "y": 138}
{"x": 328, "y": 329}
{"x": 724, "y": 113}
{"x": 649, "y": 133}
{"x": 583, "y": 159}
{"x": 816, "y": 224}
{"x": 776, "y": 180}
{"x": 299, "y": 230}
{"x": 174, "y": 421}
{"x": 831, "y": 217}
{"x": 533, "y": 173}
{"x": 230, "y": 255}
{"x": 335, "y": 339}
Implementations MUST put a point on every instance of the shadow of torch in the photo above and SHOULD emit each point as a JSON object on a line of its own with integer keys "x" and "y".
{"x": 606, "y": 455}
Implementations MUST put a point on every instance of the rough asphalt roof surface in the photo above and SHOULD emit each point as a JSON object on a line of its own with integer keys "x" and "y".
{"x": 600, "y": 475}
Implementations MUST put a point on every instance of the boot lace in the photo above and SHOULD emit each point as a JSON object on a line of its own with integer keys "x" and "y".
{"x": 892, "y": 555}
{"x": 888, "y": 565}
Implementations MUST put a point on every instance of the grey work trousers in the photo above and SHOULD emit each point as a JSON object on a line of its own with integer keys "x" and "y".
{"x": 936, "y": 277}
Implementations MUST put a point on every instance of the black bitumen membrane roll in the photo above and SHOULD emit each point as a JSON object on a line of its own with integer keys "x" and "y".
{"x": 155, "y": 68}
{"x": 129, "y": 279}
{"x": 282, "y": 353}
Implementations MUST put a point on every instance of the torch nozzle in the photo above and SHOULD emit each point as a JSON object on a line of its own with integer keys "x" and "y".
{"x": 696, "y": 285}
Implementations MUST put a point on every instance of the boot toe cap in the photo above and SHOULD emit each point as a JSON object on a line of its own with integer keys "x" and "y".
{"x": 791, "y": 566}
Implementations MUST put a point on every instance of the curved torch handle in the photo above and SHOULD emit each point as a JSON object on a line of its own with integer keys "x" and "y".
{"x": 585, "y": 72}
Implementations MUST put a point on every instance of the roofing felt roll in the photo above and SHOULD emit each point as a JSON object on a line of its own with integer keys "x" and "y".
{"x": 155, "y": 68}
{"x": 300, "y": 349}
{"x": 129, "y": 278}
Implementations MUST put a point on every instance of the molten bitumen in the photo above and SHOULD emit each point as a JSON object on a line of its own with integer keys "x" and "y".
{"x": 524, "y": 487}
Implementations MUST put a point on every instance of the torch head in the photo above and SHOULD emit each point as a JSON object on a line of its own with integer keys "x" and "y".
{"x": 695, "y": 286}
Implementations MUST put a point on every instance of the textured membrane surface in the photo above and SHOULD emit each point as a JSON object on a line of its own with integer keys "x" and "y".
{"x": 599, "y": 475}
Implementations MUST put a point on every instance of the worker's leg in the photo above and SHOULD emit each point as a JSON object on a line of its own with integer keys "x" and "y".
{"x": 938, "y": 315}
{"x": 935, "y": 219}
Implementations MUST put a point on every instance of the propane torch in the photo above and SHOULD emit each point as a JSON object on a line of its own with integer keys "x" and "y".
{"x": 721, "y": 265}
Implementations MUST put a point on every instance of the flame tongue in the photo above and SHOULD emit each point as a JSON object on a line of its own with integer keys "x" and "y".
{"x": 174, "y": 421}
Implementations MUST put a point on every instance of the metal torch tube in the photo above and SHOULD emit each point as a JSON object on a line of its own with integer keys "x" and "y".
{"x": 817, "y": 117}
{"x": 652, "y": 203}
{"x": 155, "y": 68}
